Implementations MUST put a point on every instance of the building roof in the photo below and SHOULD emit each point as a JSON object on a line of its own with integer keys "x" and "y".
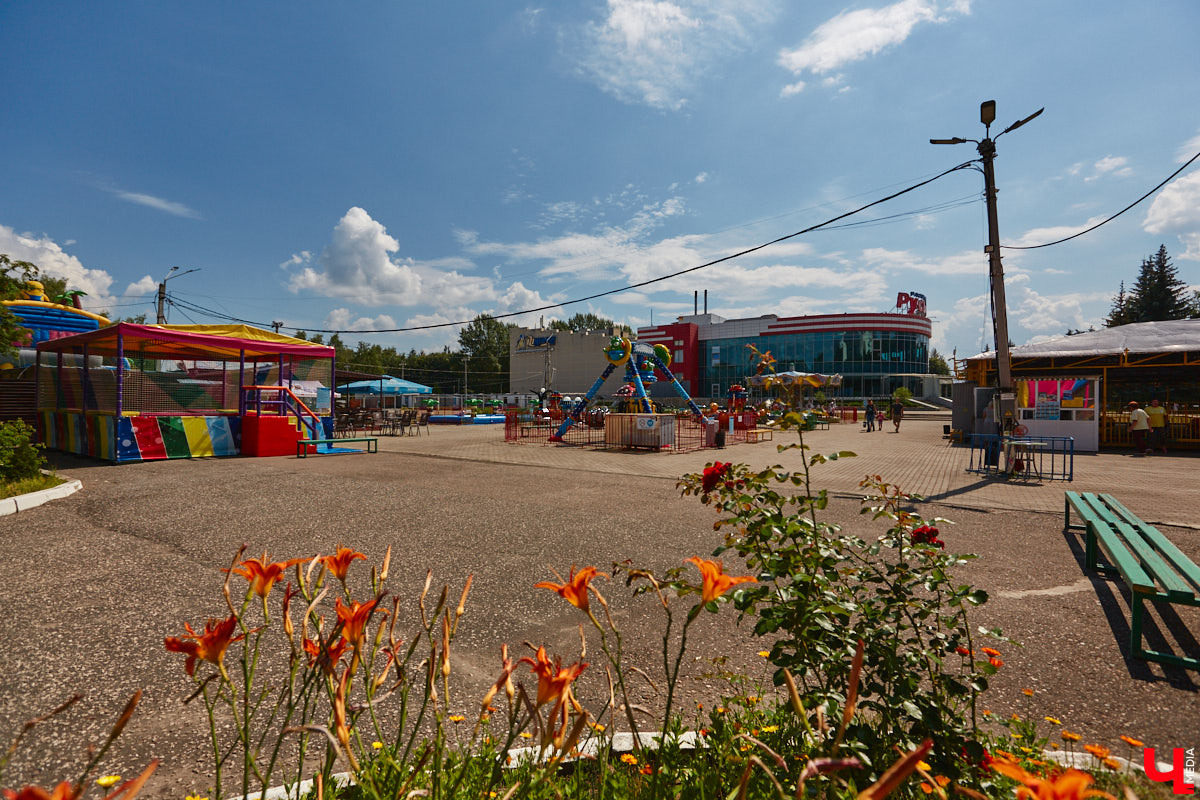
{"x": 1168, "y": 336}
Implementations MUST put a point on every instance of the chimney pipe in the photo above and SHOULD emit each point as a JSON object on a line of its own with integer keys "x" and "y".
{"x": 696, "y": 302}
{"x": 706, "y": 301}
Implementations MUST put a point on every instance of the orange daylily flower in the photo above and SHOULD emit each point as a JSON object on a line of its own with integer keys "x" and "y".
{"x": 339, "y": 563}
{"x": 209, "y": 646}
{"x": 575, "y": 589}
{"x": 64, "y": 791}
{"x": 554, "y": 682}
{"x": 333, "y": 653}
{"x": 1129, "y": 740}
{"x": 263, "y": 574}
{"x": 716, "y": 582}
{"x": 354, "y": 620}
{"x": 1069, "y": 785}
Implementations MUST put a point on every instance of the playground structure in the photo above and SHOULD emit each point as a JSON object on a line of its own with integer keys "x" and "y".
{"x": 143, "y": 392}
{"x": 640, "y": 361}
{"x": 45, "y": 319}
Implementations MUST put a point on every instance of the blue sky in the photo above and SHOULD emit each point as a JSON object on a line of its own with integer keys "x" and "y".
{"x": 380, "y": 165}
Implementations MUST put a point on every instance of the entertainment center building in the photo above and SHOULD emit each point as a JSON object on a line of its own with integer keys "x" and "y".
{"x": 874, "y": 353}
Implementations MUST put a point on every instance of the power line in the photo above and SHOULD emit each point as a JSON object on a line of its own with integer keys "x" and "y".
{"x": 1110, "y": 219}
{"x": 597, "y": 295}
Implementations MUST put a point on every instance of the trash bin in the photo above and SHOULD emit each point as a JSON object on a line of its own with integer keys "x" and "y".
{"x": 720, "y": 437}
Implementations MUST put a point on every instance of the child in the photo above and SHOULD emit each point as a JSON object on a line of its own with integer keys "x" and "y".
{"x": 879, "y": 421}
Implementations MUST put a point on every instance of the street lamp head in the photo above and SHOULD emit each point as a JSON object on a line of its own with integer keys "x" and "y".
{"x": 955, "y": 140}
{"x": 987, "y": 112}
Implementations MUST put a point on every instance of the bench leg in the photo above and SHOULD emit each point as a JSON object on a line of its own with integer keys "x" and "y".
{"x": 1135, "y": 625}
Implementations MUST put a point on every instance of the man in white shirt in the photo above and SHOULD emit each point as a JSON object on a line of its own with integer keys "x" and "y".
{"x": 1139, "y": 427}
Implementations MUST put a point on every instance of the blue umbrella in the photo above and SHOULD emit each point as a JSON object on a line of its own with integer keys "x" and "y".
{"x": 386, "y": 384}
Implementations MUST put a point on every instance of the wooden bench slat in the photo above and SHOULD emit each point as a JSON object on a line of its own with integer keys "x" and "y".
{"x": 1165, "y": 547}
{"x": 1173, "y": 586}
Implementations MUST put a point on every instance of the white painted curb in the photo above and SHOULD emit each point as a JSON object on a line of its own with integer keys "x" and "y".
{"x": 24, "y": 502}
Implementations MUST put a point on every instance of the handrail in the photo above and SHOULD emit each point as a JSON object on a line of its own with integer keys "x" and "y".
{"x": 287, "y": 391}
{"x": 314, "y": 423}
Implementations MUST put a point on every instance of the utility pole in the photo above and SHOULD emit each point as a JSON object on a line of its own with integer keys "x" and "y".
{"x": 1007, "y": 407}
{"x": 162, "y": 293}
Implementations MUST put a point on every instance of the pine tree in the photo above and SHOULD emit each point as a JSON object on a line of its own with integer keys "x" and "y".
{"x": 1158, "y": 293}
{"x": 1119, "y": 313}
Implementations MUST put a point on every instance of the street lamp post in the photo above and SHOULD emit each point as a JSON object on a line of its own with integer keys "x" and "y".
{"x": 1006, "y": 412}
{"x": 162, "y": 293}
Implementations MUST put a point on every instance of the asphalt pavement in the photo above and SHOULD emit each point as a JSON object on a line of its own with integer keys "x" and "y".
{"x": 94, "y": 582}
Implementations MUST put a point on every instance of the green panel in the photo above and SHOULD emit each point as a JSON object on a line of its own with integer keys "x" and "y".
{"x": 174, "y": 439}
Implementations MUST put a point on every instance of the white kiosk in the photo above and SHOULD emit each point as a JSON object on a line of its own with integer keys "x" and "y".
{"x": 1061, "y": 406}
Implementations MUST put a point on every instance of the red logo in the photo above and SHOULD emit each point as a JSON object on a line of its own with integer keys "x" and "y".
{"x": 1183, "y": 763}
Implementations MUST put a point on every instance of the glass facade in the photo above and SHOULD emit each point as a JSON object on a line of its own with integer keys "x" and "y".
{"x": 871, "y": 363}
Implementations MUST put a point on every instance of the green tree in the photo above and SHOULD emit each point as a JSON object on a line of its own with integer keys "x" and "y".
{"x": 13, "y": 275}
{"x": 484, "y": 341}
{"x": 1157, "y": 295}
{"x": 586, "y": 322}
{"x": 937, "y": 363}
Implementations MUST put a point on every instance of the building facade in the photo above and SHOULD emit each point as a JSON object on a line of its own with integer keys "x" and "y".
{"x": 874, "y": 353}
{"x": 568, "y": 362}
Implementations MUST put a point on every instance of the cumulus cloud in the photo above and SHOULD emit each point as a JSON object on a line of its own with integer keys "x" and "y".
{"x": 1176, "y": 210}
{"x": 856, "y": 35}
{"x": 157, "y": 203}
{"x": 143, "y": 287}
{"x": 652, "y": 51}
{"x": 51, "y": 259}
{"x": 357, "y": 264}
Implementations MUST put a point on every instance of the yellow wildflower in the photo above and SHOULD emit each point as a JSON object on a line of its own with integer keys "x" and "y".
{"x": 1070, "y": 737}
{"x": 108, "y": 780}
{"x": 765, "y": 653}
{"x": 1027, "y": 692}
{"x": 378, "y": 745}
{"x": 456, "y": 717}
{"x": 770, "y": 728}
{"x": 629, "y": 758}
{"x": 1053, "y": 721}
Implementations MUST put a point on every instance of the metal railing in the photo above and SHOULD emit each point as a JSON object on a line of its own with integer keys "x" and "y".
{"x": 1043, "y": 458}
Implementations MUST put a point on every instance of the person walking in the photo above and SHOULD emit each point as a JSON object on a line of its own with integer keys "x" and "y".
{"x": 1139, "y": 426}
{"x": 1158, "y": 425}
{"x": 897, "y": 413}
{"x": 870, "y": 414}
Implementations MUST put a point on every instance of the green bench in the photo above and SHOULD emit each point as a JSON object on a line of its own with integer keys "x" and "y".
{"x": 1150, "y": 564}
{"x": 302, "y": 445}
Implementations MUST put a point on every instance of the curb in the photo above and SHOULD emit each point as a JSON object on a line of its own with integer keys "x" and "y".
{"x": 24, "y": 502}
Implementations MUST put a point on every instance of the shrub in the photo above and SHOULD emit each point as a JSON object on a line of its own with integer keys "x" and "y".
{"x": 834, "y": 605}
{"x": 19, "y": 457}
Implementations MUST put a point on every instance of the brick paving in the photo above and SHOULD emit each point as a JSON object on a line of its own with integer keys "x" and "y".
{"x": 1164, "y": 489}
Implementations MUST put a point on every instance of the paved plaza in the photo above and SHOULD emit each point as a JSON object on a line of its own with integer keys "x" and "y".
{"x": 93, "y": 583}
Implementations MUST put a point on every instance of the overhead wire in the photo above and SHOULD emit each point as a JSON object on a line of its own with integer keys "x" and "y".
{"x": 1104, "y": 222}
{"x": 618, "y": 290}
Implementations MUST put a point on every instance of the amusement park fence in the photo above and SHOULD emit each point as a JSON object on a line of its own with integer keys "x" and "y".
{"x": 525, "y": 427}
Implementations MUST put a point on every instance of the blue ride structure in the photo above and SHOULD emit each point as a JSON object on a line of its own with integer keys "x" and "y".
{"x": 640, "y": 361}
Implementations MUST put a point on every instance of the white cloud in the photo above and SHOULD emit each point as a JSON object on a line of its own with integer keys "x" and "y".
{"x": 967, "y": 263}
{"x": 157, "y": 203}
{"x": 701, "y": 177}
{"x": 51, "y": 259}
{"x": 856, "y": 35}
{"x": 652, "y": 51}
{"x": 356, "y": 264}
{"x": 1176, "y": 210}
{"x": 1114, "y": 165}
{"x": 143, "y": 287}
{"x": 792, "y": 88}
{"x": 1189, "y": 149}
{"x": 341, "y": 319}
{"x": 297, "y": 260}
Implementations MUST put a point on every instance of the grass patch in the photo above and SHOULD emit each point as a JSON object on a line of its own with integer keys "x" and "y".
{"x": 28, "y": 485}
